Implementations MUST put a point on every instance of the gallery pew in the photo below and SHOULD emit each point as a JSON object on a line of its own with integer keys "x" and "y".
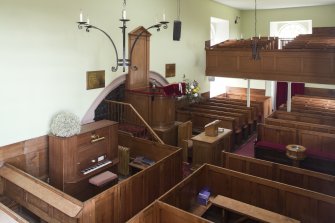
{"x": 297, "y": 203}
{"x": 115, "y": 204}
{"x": 310, "y": 180}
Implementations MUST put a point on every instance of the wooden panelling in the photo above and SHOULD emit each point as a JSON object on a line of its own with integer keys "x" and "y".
{"x": 273, "y": 196}
{"x": 30, "y": 156}
{"x": 309, "y": 66}
{"x": 306, "y": 179}
{"x": 139, "y": 77}
{"x": 9, "y": 216}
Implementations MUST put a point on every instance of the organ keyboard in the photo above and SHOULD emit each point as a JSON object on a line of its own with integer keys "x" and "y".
{"x": 96, "y": 166}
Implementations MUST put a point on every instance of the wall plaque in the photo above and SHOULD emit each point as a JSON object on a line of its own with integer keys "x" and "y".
{"x": 95, "y": 79}
{"x": 170, "y": 70}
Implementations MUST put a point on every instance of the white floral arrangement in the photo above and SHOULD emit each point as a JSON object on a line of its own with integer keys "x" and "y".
{"x": 65, "y": 124}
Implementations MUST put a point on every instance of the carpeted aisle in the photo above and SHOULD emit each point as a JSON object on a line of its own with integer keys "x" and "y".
{"x": 247, "y": 149}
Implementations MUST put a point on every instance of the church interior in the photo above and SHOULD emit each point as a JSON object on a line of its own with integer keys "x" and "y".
{"x": 167, "y": 111}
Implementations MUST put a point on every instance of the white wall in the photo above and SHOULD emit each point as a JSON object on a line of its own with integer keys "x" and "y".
{"x": 44, "y": 57}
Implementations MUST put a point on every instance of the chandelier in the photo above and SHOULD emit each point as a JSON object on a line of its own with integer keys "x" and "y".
{"x": 124, "y": 62}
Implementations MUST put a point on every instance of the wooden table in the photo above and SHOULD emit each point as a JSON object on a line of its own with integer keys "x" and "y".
{"x": 207, "y": 149}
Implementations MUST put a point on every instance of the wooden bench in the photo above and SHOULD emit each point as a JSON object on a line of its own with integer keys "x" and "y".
{"x": 36, "y": 195}
{"x": 305, "y": 117}
{"x": 257, "y": 106}
{"x": 226, "y": 112}
{"x": 253, "y": 212}
{"x": 248, "y": 116}
{"x": 251, "y": 109}
{"x": 310, "y": 180}
{"x": 297, "y": 203}
{"x": 241, "y": 118}
{"x": 300, "y": 125}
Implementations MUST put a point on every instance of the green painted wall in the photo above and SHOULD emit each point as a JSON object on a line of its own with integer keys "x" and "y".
{"x": 44, "y": 57}
{"x": 322, "y": 16}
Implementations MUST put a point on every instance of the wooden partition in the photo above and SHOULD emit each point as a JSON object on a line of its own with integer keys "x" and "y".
{"x": 9, "y": 216}
{"x": 302, "y": 178}
{"x": 116, "y": 204}
{"x": 160, "y": 212}
{"x": 312, "y": 140}
{"x": 300, "y": 204}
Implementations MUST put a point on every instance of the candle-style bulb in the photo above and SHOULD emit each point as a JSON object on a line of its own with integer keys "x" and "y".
{"x": 88, "y": 21}
{"x": 81, "y": 16}
{"x": 124, "y": 14}
{"x": 164, "y": 19}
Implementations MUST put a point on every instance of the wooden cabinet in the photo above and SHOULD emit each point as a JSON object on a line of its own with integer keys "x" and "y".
{"x": 207, "y": 149}
{"x": 73, "y": 160}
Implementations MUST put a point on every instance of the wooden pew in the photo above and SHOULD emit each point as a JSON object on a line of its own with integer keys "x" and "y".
{"x": 300, "y": 125}
{"x": 305, "y": 117}
{"x": 252, "y": 110}
{"x": 255, "y": 106}
{"x": 243, "y": 119}
{"x": 115, "y": 204}
{"x": 320, "y": 153}
{"x": 248, "y": 118}
{"x": 297, "y": 203}
{"x": 160, "y": 212}
{"x": 259, "y": 105}
{"x": 42, "y": 199}
{"x": 255, "y": 95}
{"x": 310, "y": 180}
{"x": 250, "y": 211}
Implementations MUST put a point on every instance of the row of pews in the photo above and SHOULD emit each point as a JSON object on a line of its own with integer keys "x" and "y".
{"x": 270, "y": 194}
{"x": 245, "y": 188}
{"x": 232, "y": 111}
{"x": 310, "y": 124}
{"x": 312, "y": 41}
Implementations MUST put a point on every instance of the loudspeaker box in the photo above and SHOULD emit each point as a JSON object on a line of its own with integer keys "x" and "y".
{"x": 176, "y": 30}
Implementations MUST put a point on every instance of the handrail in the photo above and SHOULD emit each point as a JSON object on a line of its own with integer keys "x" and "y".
{"x": 140, "y": 117}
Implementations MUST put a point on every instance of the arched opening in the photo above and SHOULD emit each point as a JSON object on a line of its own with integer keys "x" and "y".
{"x": 115, "y": 91}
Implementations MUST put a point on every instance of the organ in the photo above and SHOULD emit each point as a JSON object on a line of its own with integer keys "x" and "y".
{"x": 74, "y": 160}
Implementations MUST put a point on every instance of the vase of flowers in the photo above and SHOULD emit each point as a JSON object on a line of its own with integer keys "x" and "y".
{"x": 192, "y": 91}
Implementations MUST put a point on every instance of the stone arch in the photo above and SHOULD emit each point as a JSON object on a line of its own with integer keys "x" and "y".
{"x": 89, "y": 115}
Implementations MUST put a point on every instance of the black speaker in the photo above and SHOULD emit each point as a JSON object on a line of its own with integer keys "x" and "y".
{"x": 176, "y": 30}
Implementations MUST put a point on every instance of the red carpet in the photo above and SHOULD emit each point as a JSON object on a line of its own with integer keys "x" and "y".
{"x": 247, "y": 149}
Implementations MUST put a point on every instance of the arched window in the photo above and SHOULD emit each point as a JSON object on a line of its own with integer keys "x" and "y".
{"x": 291, "y": 30}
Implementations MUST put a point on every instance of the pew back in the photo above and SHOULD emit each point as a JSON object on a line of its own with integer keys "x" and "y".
{"x": 302, "y": 178}
{"x": 300, "y": 204}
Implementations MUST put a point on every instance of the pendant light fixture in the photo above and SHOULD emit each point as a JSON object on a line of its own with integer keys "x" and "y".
{"x": 124, "y": 62}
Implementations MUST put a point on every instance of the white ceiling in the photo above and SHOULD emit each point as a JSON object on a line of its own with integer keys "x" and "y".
{"x": 273, "y": 4}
